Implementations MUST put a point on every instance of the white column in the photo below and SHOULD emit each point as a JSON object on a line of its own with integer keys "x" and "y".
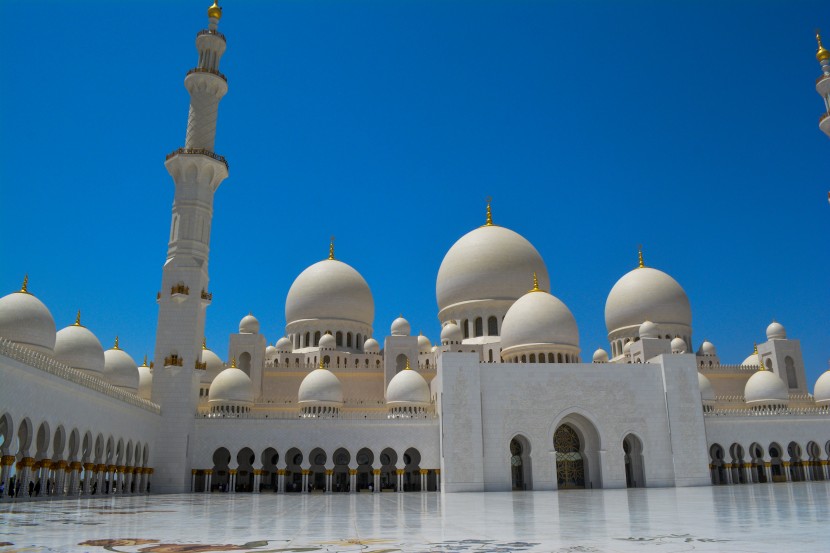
{"x": 208, "y": 480}
{"x": 328, "y": 480}
{"x": 376, "y": 480}
{"x": 6, "y": 463}
{"x": 257, "y": 478}
{"x": 232, "y": 479}
{"x": 193, "y": 480}
{"x": 280, "y": 480}
{"x": 423, "y": 480}
{"x": 305, "y": 481}
{"x": 352, "y": 480}
{"x": 438, "y": 480}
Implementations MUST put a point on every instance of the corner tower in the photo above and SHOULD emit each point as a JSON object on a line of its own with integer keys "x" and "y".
{"x": 197, "y": 172}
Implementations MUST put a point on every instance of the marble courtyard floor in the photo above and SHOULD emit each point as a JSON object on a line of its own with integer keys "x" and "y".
{"x": 748, "y": 518}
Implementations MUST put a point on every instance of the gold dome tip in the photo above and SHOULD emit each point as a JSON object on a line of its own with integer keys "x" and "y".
{"x": 233, "y": 362}
{"x": 407, "y": 367}
{"x": 204, "y": 342}
{"x": 145, "y": 360}
{"x": 25, "y": 288}
{"x": 331, "y": 248}
{"x": 489, "y": 221}
{"x": 821, "y": 54}
{"x": 640, "y": 264}
{"x": 78, "y": 318}
{"x": 535, "y": 283}
{"x": 215, "y": 11}
{"x": 116, "y": 343}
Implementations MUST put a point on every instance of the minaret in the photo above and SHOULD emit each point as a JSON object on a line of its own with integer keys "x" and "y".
{"x": 197, "y": 172}
{"x": 823, "y": 84}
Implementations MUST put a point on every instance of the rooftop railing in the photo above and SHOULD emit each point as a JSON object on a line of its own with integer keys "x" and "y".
{"x": 208, "y": 70}
{"x": 212, "y": 32}
{"x": 197, "y": 151}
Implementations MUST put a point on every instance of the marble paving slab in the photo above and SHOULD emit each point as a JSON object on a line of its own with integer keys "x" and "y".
{"x": 750, "y": 518}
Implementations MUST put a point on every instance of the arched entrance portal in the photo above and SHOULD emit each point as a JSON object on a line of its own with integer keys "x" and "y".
{"x": 634, "y": 466}
{"x": 520, "y": 474}
{"x": 570, "y": 464}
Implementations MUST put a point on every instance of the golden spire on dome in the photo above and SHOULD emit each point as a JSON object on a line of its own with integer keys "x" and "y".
{"x": 640, "y": 264}
{"x": 145, "y": 360}
{"x": 215, "y": 11}
{"x": 535, "y": 284}
{"x": 78, "y": 318}
{"x": 331, "y": 248}
{"x": 760, "y": 361}
{"x": 407, "y": 367}
{"x": 821, "y": 54}
{"x": 116, "y": 343}
{"x": 204, "y": 342}
{"x": 322, "y": 366}
{"x": 233, "y": 362}
{"x": 489, "y": 222}
{"x": 24, "y": 288}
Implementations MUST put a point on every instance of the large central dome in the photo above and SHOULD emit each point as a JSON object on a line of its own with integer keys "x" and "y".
{"x": 330, "y": 289}
{"x": 490, "y": 262}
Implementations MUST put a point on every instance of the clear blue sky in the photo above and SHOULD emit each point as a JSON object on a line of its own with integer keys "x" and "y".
{"x": 688, "y": 127}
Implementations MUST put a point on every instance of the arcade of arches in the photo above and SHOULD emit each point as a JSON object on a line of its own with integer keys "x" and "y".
{"x": 760, "y": 464}
{"x": 315, "y": 471}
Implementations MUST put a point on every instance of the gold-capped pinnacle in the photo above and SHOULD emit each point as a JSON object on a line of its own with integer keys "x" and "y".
{"x": 535, "y": 283}
{"x": 821, "y": 54}
{"x": 116, "y": 343}
{"x": 331, "y": 249}
{"x": 78, "y": 318}
{"x": 489, "y": 221}
{"x": 322, "y": 366}
{"x": 204, "y": 342}
{"x": 640, "y": 263}
{"x": 24, "y": 288}
{"x": 233, "y": 362}
{"x": 760, "y": 361}
{"x": 407, "y": 367}
{"x": 215, "y": 11}
{"x": 145, "y": 361}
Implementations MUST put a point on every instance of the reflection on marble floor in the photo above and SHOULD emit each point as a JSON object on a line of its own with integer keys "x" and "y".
{"x": 752, "y": 518}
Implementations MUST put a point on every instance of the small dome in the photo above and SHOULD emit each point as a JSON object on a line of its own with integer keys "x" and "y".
{"x": 213, "y": 366}
{"x": 646, "y": 294}
{"x": 270, "y": 351}
{"x": 400, "y": 327}
{"x": 78, "y": 347}
{"x": 821, "y": 393}
{"x": 751, "y": 361}
{"x": 451, "y": 333}
{"x": 330, "y": 289}
{"x": 284, "y": 345}
{"x": 706, "y": 391}
{"x": 764, "y": 387}
{"x": 371, "y": 346}
{"x": 327, "y": 342}
{"x": 407, "y": 388}
{"x": 320, "y": 387}
{"x": 232, "y": 385}
{"x": 145, "y": 381}
{"x": 648, "y": 330}
{"x": 24, "y": 319}
{"x": 776, "y": 331}
{"x": 678, "y": 345}
{"x": 627, "y": 348}
{"x": 538, "y": 318}
{"x": 120, "y": 369}
{"x": 600, "y": 356}
{"x": 424, "y": 345}
{"x": 249, "y": 325}
{"x": 707, "y": 349}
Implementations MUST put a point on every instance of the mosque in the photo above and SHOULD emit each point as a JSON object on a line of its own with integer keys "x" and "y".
{"x": 506, "y": 401}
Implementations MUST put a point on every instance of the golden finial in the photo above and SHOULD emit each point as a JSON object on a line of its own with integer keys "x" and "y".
{"x": 233, "y": 362}
{"x": 24, "y": 288}
{"x": 145, "y": 360}
{"x": 116, "y": 343}
{"x": 215, "y": 11}
{"x": 78, "y": 318}
{"x": 821, "y": 54}
{"x": 204, "y": 342}
{"x": 321, "y": 364}
{"x": 407, "y": 367}
{"x": 331, "y": 248}
{"x": 489, "y": 222}
{"x": 760, "y": 361}
{"x": 640, "y": 263}
{"x": 535, "y": 283}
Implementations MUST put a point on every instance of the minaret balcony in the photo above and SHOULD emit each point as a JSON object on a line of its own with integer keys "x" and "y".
{"x": 211, "y": 32}
{"x": 823, "y": 85}
{"x": 207, "y": 297}
{"x": 197, "y": 151}
{"x": 824, "y": 123}
{"x": 179, "y": 292}
{"x": 173, "y": 361}
{"x": 207, "y": 70}
{"x": 200, "y": 365}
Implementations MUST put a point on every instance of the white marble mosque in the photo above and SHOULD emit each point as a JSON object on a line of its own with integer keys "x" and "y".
{"x": 506, "y": 401}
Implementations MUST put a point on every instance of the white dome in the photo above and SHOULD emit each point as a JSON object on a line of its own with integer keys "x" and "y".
{"x": 538, "y": 318}
{"x": 78, "y": 347}
{"x": 407, "y": 387}
{"x": 232, "y": 385}
{"x": 330, "y": 289}
{"x": 678, "y": 345}
{"x": 752, "y": 360}
{"x": 424, "y": 345}
{"x": 707, "y": 348}
{"x": 120, "y": 369}
{"x": 776, "y": 331}
{"x": 327, "y": 341}
{"x": 451, "y": 333}
{"x": 145, "y": 381}
{"x": 249, "y": 325}
{"x": 765, "y": 387}
{"x": 648, "y": 330}
{"x": 371, "y": 346}
{"x": 214, "y": 366}
{"x": 600, "y": 356}
{"x": 400, "y": 327}
{"x": 320, "y": 387}
{"x": 706, "y": 391}
{"x": 821, "y": 393}
{"x": 646, "y": 294}
{"x": 26, "y": 320}
{"x": 490, "y": 262}
{"x": 270, "y": 351}
{"x": 284, "y": 345}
